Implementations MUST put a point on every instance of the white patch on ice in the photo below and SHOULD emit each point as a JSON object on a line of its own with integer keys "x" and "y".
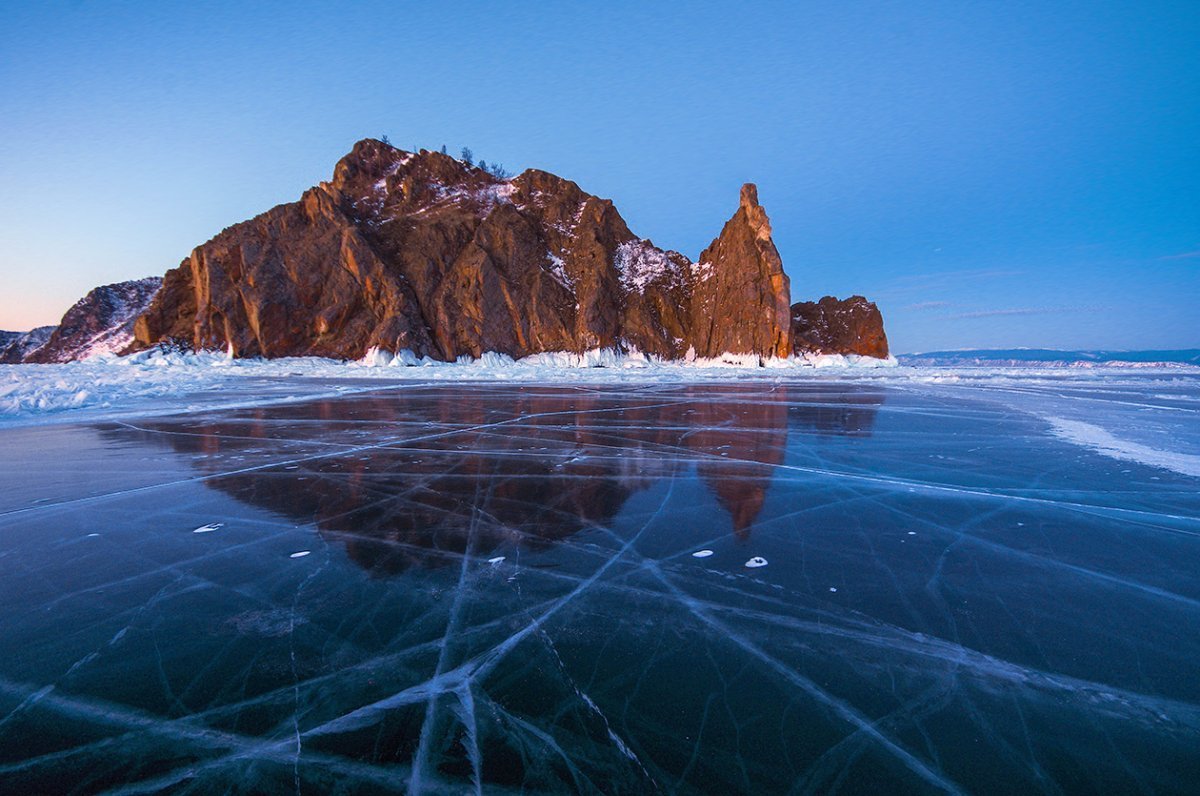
{"x": 300, "y": 554}
{"x": 212, "y": 526}
{"x": 756, "y": 562}
{"x": 702, "y": 554}
{"x": 92, "y": 535}
{"x": 495, "y": 560}
{"x": 1103, "y": 442}
{"x": 914, "y": 533}
{"x": 833, "y": 588}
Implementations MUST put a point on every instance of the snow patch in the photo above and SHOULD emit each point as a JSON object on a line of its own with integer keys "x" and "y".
{"x": 558, "y": 269}
{"x": 1103, "y": 442}
{"x": 639, "y": 264}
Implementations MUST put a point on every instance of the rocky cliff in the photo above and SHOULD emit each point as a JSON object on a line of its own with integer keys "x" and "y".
{"x": 832, "y": 326}
{"x": 100, "y": 323}
{"x": 423, "y": 252}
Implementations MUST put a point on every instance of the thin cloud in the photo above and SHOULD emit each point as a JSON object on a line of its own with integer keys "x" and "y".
{"x": 1182, "y": 256}
{"x": 928, "y": 305}
{"x": 922, "y": 283}
{"x": 1023, "y": 311}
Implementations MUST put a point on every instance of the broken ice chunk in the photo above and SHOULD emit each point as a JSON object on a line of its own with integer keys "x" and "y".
{"x": 300, "y": 554}
{"x": 702, "y": 554}
{"x": 212, "y": 526}
{"x": 757, "y": 561}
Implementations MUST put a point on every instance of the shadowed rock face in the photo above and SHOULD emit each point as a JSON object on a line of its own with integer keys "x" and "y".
{"x": 420, "y": 251}
{"x": 832, "y": 326}
{"x": 101, "y": 322}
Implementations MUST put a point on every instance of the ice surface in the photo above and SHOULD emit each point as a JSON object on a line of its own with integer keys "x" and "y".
{"x": 959, "y": 598}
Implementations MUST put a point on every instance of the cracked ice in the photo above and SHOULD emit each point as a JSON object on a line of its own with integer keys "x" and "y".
{"x": 440, "y": 589}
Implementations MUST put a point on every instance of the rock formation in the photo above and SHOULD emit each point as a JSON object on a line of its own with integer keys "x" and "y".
{"x": 423, "y": 252}
{"x": 830, "y": 326}
{"x": 100, "y": 323}
{"x": 426, "y": 253}
{"x": 740, "y": 300}
{"x": 15, "y": 346}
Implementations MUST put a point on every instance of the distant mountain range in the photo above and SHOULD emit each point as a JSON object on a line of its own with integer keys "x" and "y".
{"x": 1049, "y": 357}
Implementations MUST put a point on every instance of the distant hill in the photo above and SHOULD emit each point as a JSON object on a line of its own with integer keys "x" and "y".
{"x": 1049, "y": 357}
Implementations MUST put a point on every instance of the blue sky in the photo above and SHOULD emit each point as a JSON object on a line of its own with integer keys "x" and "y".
{"x": 992, "y": 174}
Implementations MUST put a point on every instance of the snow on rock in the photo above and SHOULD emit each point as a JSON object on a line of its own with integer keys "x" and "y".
{"x": 100, "y": 323}
{"x": 639, "y": 263}
{"x": 15, "y": 346}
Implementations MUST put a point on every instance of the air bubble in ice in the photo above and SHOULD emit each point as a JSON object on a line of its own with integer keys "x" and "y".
{"x": 757, "y": 561}
{"x": 702, "y": 554}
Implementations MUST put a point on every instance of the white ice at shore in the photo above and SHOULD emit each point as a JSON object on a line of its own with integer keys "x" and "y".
{"x": 125, "y": 383}
{"x": 1141, "y": 415}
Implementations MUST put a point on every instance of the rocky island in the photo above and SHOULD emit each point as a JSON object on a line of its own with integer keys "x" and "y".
{"x": 425, "y": 253}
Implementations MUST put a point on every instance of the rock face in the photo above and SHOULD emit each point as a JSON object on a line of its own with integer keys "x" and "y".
{"x": 100, "y": 323}
{"x": 740, "y": 300}
{"x": 15, "y": 346}
{"x": 423, "y": 252}
{"x": 832, "y": 326}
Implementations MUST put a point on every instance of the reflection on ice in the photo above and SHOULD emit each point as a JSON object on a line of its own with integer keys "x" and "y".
{"x": 467, "y": 476}
{"x": 559, "y": 589}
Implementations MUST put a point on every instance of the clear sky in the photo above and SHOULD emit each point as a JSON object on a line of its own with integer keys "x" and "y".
{"x": 993, "y": 174}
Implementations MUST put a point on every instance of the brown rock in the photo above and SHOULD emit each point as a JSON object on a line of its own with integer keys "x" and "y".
{"x": 830, "y": 326}
{"x": 741, "y": 295}
{"x": 420, "y": 251}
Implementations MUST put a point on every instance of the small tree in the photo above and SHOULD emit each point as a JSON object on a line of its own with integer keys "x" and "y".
{"x": 497, "y": 170}
{"x": 385, "y": 140}
{"x": 468, "y": 156}
{"x": 483, "y": 164}
{"x": 444, "y": 149}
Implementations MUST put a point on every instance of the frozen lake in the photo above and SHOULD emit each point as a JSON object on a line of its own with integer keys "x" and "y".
{"x": 879, "y": 583}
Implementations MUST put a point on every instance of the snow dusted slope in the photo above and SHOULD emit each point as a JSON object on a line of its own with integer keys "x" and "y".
{"x": 100, "y": 323}
{"x": 15, "y": 346}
